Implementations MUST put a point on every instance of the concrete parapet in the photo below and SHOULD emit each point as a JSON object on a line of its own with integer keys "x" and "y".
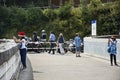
{"x": 9, "y": 60}
{"x": 98, "y": 47}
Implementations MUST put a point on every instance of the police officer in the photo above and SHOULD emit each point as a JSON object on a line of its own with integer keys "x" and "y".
{"x": 43, "y": 39}
{"x": 43, "y": 36}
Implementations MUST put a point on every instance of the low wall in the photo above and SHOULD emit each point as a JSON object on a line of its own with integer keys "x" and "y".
{"x": 98, "y": 47}
{"x": 9, "y": 60}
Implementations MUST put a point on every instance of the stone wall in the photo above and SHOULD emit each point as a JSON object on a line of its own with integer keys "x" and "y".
{"x": 98, "y": 47}
{"x": 9, "y": 60}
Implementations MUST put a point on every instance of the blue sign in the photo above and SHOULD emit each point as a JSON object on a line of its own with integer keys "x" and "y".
{"x": 93, "y": 21}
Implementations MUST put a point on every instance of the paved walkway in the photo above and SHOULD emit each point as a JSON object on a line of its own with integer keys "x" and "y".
{"x": 68, "y": 67}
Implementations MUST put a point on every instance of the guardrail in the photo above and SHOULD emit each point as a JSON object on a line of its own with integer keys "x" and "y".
{"x": 9, "y": 61}
{"x": 41, "y": 46}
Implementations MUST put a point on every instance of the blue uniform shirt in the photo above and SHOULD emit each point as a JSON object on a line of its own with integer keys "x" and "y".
{"x": 52, "y": 37}
{"x": 77, "y": 41}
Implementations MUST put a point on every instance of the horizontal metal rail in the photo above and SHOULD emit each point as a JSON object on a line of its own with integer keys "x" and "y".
{"x": 35, "y": 46}
{"x": 48, "y": 48}
{"x": 41, "y": 42}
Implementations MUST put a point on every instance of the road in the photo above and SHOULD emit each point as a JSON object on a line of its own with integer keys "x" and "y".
{"x": 67, "y": 67}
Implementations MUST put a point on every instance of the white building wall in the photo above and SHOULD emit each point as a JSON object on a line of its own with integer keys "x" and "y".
{"x": 98, "y": 47}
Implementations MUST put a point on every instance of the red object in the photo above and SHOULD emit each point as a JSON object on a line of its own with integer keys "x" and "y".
{"x": 21, "y": 33}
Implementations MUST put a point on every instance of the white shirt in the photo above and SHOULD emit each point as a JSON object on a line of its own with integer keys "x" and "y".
{"x": 23, "y": 44}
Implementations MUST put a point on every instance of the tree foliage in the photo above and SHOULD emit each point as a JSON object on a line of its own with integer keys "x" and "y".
{"x": 66, "y": 19}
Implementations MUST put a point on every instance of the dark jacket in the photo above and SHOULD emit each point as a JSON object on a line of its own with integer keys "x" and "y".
{"x": 61, "y": 39}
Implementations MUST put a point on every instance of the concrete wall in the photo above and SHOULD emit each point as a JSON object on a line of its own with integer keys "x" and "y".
{"x": 9, "y": 61}
{"x": 98, "y": 47}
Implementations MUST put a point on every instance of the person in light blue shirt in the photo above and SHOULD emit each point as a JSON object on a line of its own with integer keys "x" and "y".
{"x": 52, "y": 40}
{"x": 77, "y": 44}
{"x": 112, "y": 43}
{"x": 52, "y": 37}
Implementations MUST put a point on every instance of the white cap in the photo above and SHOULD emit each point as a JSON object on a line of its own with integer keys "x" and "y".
{"x": 43, "y": 30}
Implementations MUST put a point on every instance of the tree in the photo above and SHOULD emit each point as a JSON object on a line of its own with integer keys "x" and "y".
{"x": 4, "y": 20}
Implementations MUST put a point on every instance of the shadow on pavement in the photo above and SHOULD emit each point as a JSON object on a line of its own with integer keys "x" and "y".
{"x": 26, "y": 74}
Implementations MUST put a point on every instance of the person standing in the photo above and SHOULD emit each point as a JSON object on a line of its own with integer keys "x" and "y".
{"x": 61, "y": 43}
{"x": 35, "y": 39}
{"x": 43, "y": 39}
{"x": 77, "y": 40}
{"x": 22, "y": 47}
{"x": 112, "y": 43}
{"x": 52, "y": 40}
{"x": 43, "y": 36}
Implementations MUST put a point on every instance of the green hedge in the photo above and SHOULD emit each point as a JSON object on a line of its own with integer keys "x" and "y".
{"x": 65, "y": 19}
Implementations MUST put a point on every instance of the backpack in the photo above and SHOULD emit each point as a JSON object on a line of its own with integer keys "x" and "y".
{"x": 109, "y": 49}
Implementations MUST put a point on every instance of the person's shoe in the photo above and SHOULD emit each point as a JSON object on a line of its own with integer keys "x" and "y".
{"x": 79, "y": 56}
{"x": 76, "y": 56}
{"x": 53, "y": 52}
{"x": 111, "y": 64}
{"x": 116, "y": 65}
{"x": 62, "y": 53}
{"x": 23, "y": 68}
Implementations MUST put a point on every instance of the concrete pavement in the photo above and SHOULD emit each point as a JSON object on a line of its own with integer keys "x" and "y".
{"x": 67, "y": 67}
{"x": 27, "y": 74}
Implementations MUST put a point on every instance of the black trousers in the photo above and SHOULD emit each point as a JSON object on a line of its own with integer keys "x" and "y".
{"x": 44, "y": 46}
{"x": 113, "y": 57}
{"x": 23, "y": 53}
{"x": 52, "y": 48}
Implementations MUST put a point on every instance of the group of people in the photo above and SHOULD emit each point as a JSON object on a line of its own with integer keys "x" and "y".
{"x": 52, "y": 38}
{"x": 112, "y": 42}
{"x": 41, "y": 38}
{"x": 60, "y": 42}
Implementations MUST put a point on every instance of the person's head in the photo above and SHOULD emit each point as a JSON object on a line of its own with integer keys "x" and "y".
{"x": 60, "y": 34}
{"x": 113, "y": 37}
{"x": 77, "y": 34}
{"x": 34, "y": 32}
{"x": 21, "y": 34}
{"x": 43, "y": 31}
{"x": 52, "y": 32}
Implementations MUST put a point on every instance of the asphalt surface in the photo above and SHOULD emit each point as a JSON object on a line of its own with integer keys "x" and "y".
{"x": 26, "y": 74}
{"x": 67, "y": 67}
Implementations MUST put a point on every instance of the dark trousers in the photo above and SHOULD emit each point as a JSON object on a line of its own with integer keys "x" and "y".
{"x": 113, "y": 56}
{"x": 44, "y": 46}
{"x": 52, "y": 48}
{"x": 23, "y": 57}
